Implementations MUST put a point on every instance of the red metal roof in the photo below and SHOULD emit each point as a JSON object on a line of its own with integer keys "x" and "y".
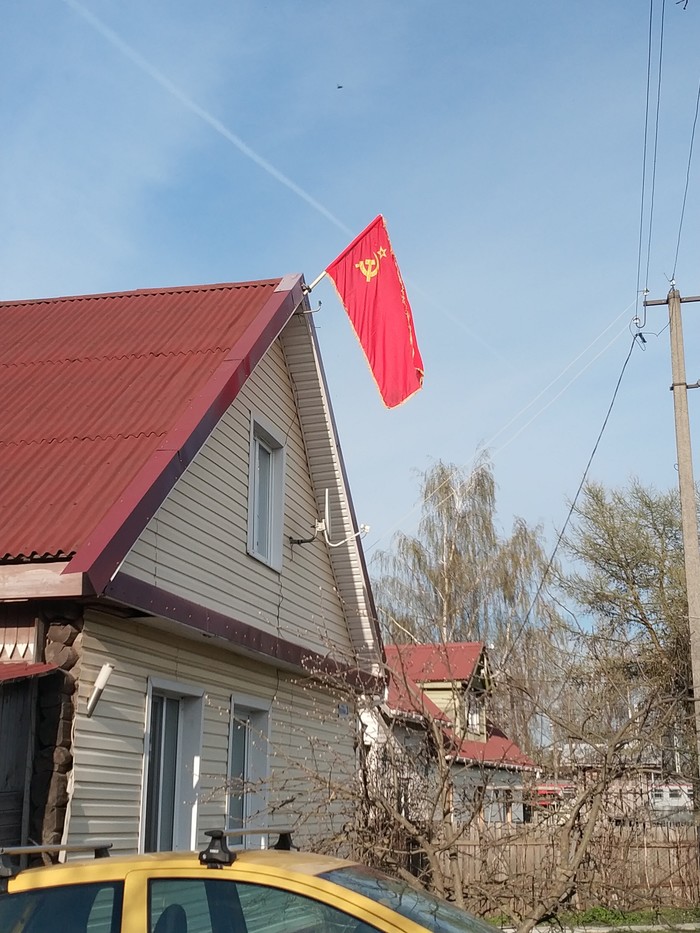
{"x": 11, "y": 671}
{"x": 106, "y": 397}
{"x": 405, "y": 697}
{"x": 497, "y": 750}
{"x": 436, "y": 663}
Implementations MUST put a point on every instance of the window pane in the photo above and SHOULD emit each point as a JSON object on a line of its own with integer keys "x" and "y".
{"x": 271, "y": 909}
{"x": 168, "y": 773}
{"x": 162, "y": 774}
{"x": 263, "y": 498}
{"x": 95, "y": 908}
{"x": 425, "y": 909}
{"x": 154, "y": 768}
{"x": 185, "y": 902}
{"x": 238, "y": 773}
{"x": 215, "y": 904}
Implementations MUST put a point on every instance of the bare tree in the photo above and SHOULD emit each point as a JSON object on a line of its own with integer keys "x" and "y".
{"x": 629, "y": 581}
{"x": 458, "y": 579}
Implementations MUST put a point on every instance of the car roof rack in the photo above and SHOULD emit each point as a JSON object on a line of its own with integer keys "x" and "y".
{"x": 217, "y": 853}
{"x": 8, "y": 854}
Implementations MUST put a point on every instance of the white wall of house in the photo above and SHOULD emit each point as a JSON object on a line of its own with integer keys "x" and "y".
{"x": 196, "y": 544}
{"x": 310, "y": 734}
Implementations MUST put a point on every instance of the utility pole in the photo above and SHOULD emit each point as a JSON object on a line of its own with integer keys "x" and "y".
{"x": 689, "y": 514}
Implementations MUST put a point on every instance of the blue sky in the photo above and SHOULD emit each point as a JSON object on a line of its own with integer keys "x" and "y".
{"x": 172, "y": 142}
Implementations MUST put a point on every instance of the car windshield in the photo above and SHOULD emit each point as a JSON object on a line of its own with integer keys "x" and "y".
{"x": 429, "y": 911}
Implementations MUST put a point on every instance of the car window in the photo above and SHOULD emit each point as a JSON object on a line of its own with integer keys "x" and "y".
{"x": 222, "y": 906}
{"x": 429, "y": 911}
{"x": 75, "y": 908}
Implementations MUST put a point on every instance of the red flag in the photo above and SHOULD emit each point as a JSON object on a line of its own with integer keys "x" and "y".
{"x": 369, "y": 284}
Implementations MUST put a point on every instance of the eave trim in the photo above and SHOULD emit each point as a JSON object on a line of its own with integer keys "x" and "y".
{"x": 137, "y": 594}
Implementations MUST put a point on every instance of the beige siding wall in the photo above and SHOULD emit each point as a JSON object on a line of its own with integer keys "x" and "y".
{"x": 195, "y": 546}
{"x": 311, "y": 750}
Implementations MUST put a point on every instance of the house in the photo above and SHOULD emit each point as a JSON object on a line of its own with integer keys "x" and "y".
{"x": 171, "y": 613}
{"x": 433, "y": 731}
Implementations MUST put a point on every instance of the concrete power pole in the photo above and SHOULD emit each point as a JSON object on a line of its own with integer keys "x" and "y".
{"x": 689, "y": 515}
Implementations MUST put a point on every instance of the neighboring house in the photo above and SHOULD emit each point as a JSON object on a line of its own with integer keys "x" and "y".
{"x": 636, "y": 789}
{"x": 433, "y": 728}
{"x": 170, "y": 612}
{"x": 671, "y": 800}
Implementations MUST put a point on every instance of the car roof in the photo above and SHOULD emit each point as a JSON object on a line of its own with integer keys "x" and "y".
{"x": 266, "y": 861}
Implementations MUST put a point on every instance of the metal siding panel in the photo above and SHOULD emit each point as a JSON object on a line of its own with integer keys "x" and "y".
{"x": 107, "y": 786}
{"x": 195, "y": 546}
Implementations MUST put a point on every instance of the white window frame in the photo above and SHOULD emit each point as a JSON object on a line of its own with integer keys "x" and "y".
{"x": 264, "y": 434}
{"x": 189, "y": 753}
{"x": 257, "y": 712}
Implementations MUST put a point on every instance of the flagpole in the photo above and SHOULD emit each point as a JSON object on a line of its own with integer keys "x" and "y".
{"x": 310, "y": 288}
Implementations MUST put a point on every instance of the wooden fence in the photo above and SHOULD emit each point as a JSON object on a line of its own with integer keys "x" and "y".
{"x": 507, "y": 869}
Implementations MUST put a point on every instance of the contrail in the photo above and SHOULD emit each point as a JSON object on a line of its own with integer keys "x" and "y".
{"x": 203, "y": 114}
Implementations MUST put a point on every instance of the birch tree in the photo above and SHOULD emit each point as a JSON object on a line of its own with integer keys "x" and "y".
{"x": 460, "y": 579}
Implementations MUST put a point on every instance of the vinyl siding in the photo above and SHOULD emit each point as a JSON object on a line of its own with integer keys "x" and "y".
{"x": 196, "y": 544}
{"x": 311, "y": 745}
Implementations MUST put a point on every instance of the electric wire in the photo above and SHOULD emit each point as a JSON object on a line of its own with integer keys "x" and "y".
{"x": 656, "y": 143}
{"x": 215, "y": 124}
{"x": 572, "y": 507}
{"x": 644, "y": 222}
{"x": 644, "y": 157}
{"x": 687, "y": 183}
{"x": 501, "y": 430}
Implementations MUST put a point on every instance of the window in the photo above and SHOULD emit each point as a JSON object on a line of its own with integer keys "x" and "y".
{"x": 173, "y": 743}
{"x": 265, "y": 492}
{"x": 205, "y": 905}
{"x": 474, "y": 709}
{"x": 92, "y": 908}
{"x": 248, "y": 766}
{"x": 422, "y": 908}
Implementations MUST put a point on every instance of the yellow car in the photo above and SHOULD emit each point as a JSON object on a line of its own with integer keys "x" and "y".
{"x": 218, "y": 891}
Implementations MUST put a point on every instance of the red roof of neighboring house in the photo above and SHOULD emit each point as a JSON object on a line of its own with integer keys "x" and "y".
{"x": 498, "y": 749}
{"x": 407, "y": 665}
{"x": 406, "y": 698}
{"x": 10, "y": 671}
{"x": 440, "y": 662}
{"x": 106, "y": 399}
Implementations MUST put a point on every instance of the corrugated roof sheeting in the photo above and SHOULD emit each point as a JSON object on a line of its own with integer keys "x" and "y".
{"x": 176, "y": 320}
{"x": 91, "y": 386}
{"x": 441, "y": 662}
{"x": 65, "y": 487}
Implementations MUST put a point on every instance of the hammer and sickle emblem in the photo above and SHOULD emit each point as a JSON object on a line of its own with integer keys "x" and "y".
{"x": 368, "y": 267}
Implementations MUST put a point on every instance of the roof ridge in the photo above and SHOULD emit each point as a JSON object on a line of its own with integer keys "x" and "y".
{"x": 133, "y": 293}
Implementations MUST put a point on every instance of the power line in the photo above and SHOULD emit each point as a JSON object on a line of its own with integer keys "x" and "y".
{"x": 526, "y": 408}
{"x": 656, "y": 141}
{"x": 643, "y": 193}
{"x": 572, "y": 507}
{"x": 687, "y": 181}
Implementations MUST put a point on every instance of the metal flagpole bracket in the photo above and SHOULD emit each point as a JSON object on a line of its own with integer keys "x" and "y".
{"x": 310, "y": 288}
